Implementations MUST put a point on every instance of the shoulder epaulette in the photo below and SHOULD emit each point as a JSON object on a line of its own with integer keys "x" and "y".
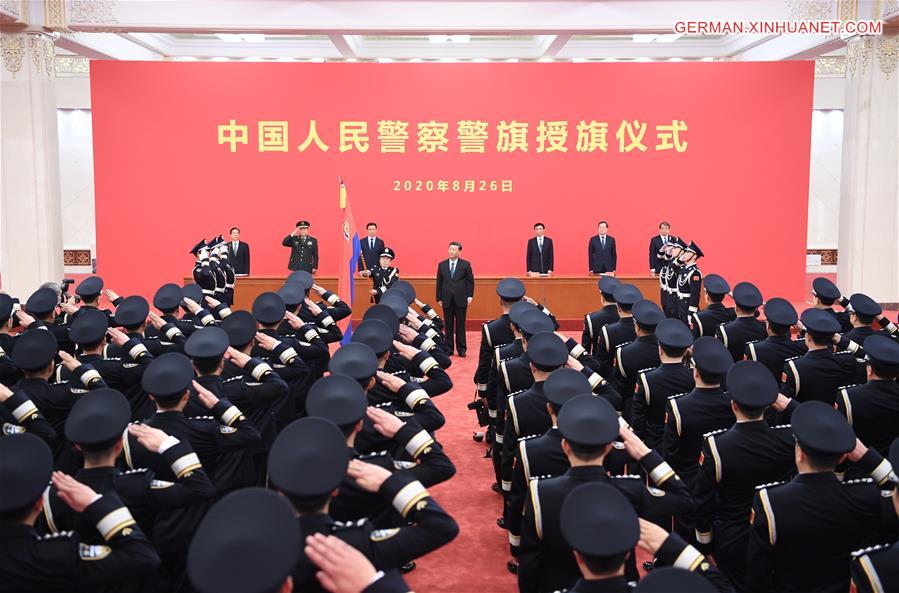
{"x": 769, "y": 485}
{"x": 782, "y": 426}
{"x": 374, "y": 454}
{"x": 56, "y": 535}
{"x": 714, "y": 432}
{"x": 528, "y": 437}
{"x": 868, "y": 550}
{"x": 848, "y": 386}
{"x": 677, "y": 395}
{"x": 628, "y": 477}
{"x": 348, "y": 524}
{"x": 859, "y": 481}
{"x": 139, "y": 470}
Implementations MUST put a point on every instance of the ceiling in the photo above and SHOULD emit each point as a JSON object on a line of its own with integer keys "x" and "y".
{"x": 449, "y": 30}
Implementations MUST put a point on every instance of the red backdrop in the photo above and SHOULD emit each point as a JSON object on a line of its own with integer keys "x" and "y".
{"x": 739, "y": 187}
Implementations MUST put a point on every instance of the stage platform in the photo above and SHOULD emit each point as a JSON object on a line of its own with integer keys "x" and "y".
{"x": 568, "y": 297}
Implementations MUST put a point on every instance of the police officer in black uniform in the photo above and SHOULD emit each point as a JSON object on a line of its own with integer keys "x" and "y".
{"x": 540, "y": 454}
{"x": 383, "y": 274}
{"x": 250, "y": 523}
{"x": 618, "y": 332}
{"x": 61, "y": 562}
{"x": 689, "y": 282}
{"x": 815, "y": 515}
{"x": 876, "y": 568}
{"x": 733, "y": 462}
{"x": 88, "y": 291}
{"x": 310, "y": 460}
{"x": 41, "y": 305}
{"x": 608, "y": 313}
{"x": 640, "y": 354}
{"x": 588, "y": 425}
{"x": 593, "y": 508}
{"x": 826, "y": 295}
{"x": 773, "y": 351}
{"x": 497, "y": 332}
{"x": 654, "y": 386}
{"x": 745, "y": 328}
{"x": 872, "y": 408}
{"x": 819, "y": 374}
{"x": 706, "y": 322}
{"x": 303, "y": 249}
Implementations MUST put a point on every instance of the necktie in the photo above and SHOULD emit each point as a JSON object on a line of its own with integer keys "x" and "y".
{"x": 602, "y": 240}
{"x": 540, "y": 244}
{"x": 371, "y": 243}
{"x": 235, "y": 246}
{"x": 452, "y": 269}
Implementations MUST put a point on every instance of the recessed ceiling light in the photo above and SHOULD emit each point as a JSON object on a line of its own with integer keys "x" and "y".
{"x": 708, "y": 59}
{"x": 675, "y": 60}
{"x": 220, "y": 59}
{"x": 317, "y": 60}
{"x": 448, "y": 60}
{"x": 642, "y": 60}
{"x": 545, "y": 60}
{"x": 513, "y": 60}
{"x": 415, "y": 60}
{"x": 285, "y": 59}
{"x": 186, "y": 59}
{"x": 610, "y": 60}
{"x": 385, "y": 60}
{"x": 579, "y": 60}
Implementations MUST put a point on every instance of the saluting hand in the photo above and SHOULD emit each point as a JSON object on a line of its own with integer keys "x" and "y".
{"x": 406, "y": 351}
{"x": 266, "y": 342}
{"x": 213, "y": 302}
{"x": 151, "y": 438}
{"x": 236, "y": 356}
{"x": 407, "y": 333}
{"x": 384, "y": 422}
{"x": 315, "y": 309}
{"x": 636, "y": 448}
{"x": 76, "y": 495}
{"x": 118, "y": 336}
{"x": 369, "y": 477}
{"x": 156, "y": 320}
{"x": 391, "y": 382}
{"x": 5, "y": 393}
{"x": 294, "y": 321}
{"x": 68, "y": 361}
{"x": 651, "y": 536}
{"x": 24, "y": 318}
{"x": 205, "y": 396}
{"x": 343, "y": 568}
{"x": 192, "y": 305}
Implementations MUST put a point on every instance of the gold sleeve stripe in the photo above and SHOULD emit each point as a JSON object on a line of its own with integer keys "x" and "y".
{"x": 769, "y": 516}
{"x": 871, "y": 574}
{"x": 714, "y": 448}
{"x": 115, "y": 522}
{"x": 535, "y": 502}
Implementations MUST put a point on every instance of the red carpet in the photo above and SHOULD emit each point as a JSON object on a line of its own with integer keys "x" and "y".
{"x": 476, "y": 559}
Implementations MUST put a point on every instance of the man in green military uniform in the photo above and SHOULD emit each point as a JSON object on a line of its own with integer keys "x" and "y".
{"x": 303, "y": 249}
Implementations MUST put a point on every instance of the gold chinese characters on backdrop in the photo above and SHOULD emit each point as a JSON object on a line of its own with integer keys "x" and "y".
{"x": 468, "y": 136}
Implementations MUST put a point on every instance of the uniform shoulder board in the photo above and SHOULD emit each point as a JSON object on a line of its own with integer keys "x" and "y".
{"x": 714, "y": 432}
{"x": 769, "y": 485}
{"x": 375, "y": 454}
{"x": 343, "y": 525}
{"x": 404, "y": 464}
{"x": 56, "y": 535}
{"x": 859, "y": 481}
{"x": 627, "y": 477}
{"x": 868, "y": 550}
{"x": 677, "y": 395}
{"x": 782, "y": 426}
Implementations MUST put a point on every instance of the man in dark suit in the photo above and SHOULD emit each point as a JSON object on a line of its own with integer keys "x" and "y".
{"x": 372, "y": 247}
{"x": 239, "y": 253}
{"x": 655, "y": 245}
{"x": 540, "y": 257}
{"x": 601, "y": 255}
{"x": 455, "y": 289}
